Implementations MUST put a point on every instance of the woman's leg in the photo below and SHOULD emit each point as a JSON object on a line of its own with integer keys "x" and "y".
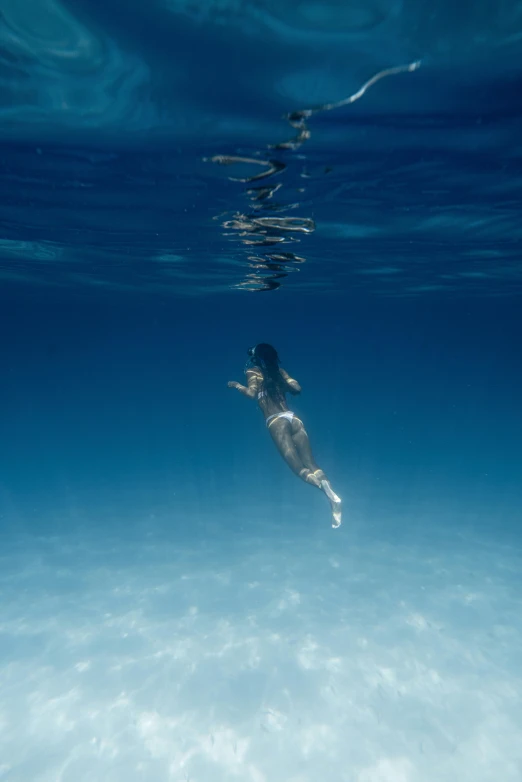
{"x": 302, "y": 443}
{"x": 292, "y": 443}
{"x": 281, "y": 432}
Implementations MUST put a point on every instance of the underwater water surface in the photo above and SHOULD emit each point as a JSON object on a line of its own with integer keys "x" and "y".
{"x": 180, "y": 181}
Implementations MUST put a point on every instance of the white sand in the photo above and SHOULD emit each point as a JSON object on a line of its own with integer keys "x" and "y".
{"x": 260, "y": 658}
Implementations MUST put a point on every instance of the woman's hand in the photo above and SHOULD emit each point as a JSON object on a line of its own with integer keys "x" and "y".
{"x": 233, "y": 384}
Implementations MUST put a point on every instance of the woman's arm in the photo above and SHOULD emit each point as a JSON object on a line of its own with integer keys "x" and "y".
{"x": 293, "y": 385}
{"x": 253, "y": 378}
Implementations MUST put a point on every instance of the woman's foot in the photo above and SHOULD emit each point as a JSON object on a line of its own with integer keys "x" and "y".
{"x": 335, "y": 502}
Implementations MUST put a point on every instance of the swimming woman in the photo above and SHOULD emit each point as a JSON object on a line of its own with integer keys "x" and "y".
{"x": 270, "y": 383}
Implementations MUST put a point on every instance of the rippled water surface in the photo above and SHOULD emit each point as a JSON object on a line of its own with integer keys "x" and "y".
{"x": 115, "y": 119}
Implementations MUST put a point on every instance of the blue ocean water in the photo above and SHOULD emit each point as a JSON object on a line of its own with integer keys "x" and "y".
{"x": 181, "y": 181}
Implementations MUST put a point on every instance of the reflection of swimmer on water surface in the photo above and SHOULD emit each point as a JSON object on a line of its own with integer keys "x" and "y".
{"x": 269, "y": 383}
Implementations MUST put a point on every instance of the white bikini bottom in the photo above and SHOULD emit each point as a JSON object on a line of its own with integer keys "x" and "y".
{"x": 285, "y": 414}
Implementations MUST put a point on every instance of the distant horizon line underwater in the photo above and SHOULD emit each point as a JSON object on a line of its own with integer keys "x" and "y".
{"x": 175, "y": 604}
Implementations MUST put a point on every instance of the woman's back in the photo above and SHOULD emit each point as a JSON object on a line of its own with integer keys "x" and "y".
{"x": 272, "y": 389}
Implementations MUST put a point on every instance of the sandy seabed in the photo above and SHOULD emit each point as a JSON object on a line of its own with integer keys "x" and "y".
{"x": 259, "y": 657}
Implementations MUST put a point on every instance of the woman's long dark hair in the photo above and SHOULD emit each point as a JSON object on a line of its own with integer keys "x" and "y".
{"x": 266, "y": 358}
